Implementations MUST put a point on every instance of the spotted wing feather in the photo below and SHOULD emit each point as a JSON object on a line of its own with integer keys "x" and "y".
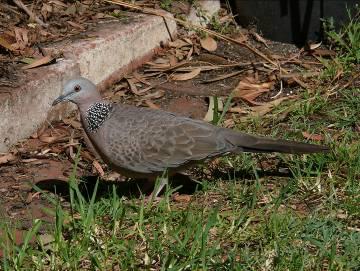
{"x": 150, "y": 141}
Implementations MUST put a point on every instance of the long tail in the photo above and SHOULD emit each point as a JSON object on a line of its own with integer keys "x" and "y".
{"x": 249, "y": 143}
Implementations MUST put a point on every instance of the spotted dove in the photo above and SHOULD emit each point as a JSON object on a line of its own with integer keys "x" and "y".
{"x": 143, "y": 142}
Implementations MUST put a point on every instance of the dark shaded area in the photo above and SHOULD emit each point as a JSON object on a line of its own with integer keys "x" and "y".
{"x": 129, "y": 188}
{"x": 246, "y": 174}
{"x": 134, "y": 188}
{"x": 292, "y": 21}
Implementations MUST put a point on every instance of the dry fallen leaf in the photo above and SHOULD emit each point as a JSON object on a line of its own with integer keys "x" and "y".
{"x": 154, "y": 95}
{"x": 31, "y": 196}
{"x": 59, "y": 3}
{"x": 39, "y": 62}
{"x": 214, "y": 59}
{"x": 76, "y": 25}
{"x": 178, "y": 43}
{"x": 237, "y": 109}
{"x": 208, "y": 44}
{"x": 98, "y": 168}
{"x": 261, "y": 110}
{"x": 229, "y": 123}
{"x": 47, "y": 139}
{"x": 249, "y": 91}
{"x": 112, "y": 176}
{"x": 30, "y": 160}
{"x": 7, "y": 158}
{"x": 159, "y": 60}
{"x": 260, "y": 39}
{"x": 172, "y": 60}
{"x": 180, "y": 54}
{"x": 181, "y": 198}
{"x": 22, "y": 39}
{"x": 315, "y": 137}
{"x": 190, "y": 52}
{"x": 74, "y": 123}
{"x": 4, "y": 43}
{"x": 71, "y": 10}
{"x": 186, "y": 76}
{"x": 324, "y": 52}
{"x": 46, "y": 11}
{"x": 132, "y": 86}
{"x": 87, "y": 155}
{"x": 140, "y": 78}
{"x": 188, "y": 41}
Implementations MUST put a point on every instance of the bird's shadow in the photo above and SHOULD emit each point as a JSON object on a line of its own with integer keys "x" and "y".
{"x": 248, "y": 174}
{"x": 87, "y": 186}
{"x": 185, "y": 184}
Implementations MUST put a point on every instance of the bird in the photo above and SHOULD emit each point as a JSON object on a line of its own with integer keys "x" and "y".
{"x": 140, "y": 142}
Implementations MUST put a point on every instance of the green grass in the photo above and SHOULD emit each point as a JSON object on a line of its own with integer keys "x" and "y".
{"x": 346, "y": 42}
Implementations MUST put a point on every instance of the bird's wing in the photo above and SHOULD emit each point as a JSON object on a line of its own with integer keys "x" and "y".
{"x": 181, "y": 142}
{"x": 147, "y": 141}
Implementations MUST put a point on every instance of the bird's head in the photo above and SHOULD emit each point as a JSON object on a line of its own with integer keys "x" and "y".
{"x": 78, "y": 90}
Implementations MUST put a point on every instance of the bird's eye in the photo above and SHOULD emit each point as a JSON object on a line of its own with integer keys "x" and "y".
{"x": 77, "y": 88}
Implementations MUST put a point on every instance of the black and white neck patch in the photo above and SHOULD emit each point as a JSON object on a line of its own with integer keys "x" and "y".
{"x": 96, "y": 114}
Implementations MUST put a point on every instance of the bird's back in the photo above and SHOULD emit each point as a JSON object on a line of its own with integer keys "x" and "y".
{"x": 145, "y": 140}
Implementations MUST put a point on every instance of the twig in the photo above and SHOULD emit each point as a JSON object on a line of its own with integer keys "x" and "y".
{"x": 32, "y": 16}
{"x": 168, "y": 29}
{"x": 337, "y": 87}
{"x": 280, "y": 91}
{"x": 222, "y": 77}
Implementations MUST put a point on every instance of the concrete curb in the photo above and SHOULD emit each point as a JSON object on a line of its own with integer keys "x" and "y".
{"x": 203, "y": 11}
{"x": 112, "y": 50}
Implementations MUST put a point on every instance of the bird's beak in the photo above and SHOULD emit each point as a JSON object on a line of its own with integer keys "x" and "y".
{"x": 60, "y": 99}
